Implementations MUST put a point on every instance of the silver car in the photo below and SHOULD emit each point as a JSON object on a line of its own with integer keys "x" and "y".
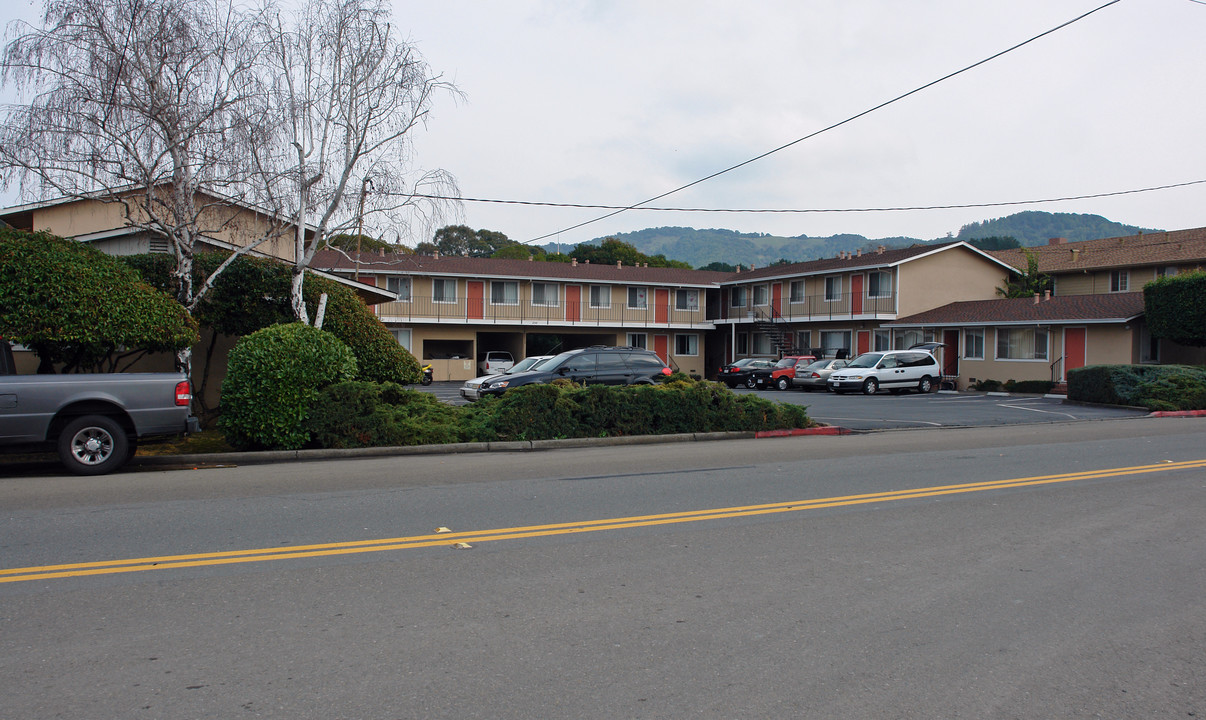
{"x": 471, "y": 390}
{"x": 815, "y": 375}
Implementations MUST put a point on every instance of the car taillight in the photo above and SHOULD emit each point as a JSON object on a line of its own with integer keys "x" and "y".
{"x": 734, "y": 369}
{"x": 816, "y": 374}
{"x": 667, "y": 371}
{"x": 184, "y": 393}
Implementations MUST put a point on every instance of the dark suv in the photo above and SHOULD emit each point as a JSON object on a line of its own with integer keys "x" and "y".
{"x": 599, "y": 364}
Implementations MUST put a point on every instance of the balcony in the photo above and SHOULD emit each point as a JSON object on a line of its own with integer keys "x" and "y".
{"x": 565, "y": 313}
{"x": 816, "y": 308}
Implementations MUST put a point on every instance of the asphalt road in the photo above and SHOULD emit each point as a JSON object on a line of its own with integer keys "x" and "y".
{"x": 1033, "y": 571}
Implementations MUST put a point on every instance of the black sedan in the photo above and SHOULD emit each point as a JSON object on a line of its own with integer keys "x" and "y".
{"x": 742, "y": 371}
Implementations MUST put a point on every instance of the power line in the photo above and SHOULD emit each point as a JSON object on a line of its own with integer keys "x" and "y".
{"x": 786, "y": 211}
{"x": 850, "y": 119}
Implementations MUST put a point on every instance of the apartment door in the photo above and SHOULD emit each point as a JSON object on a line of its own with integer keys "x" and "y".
{"x": 777, "y": 300}
{"x": 1075, "y": 342}
{"x": 661, "y": 309}
{"x": 863, "y": 343}
{"x": 573, "y": 303}
{"x": 473, "y": 298}
{"x": 661, "y": 346}
{"x": 856, "y": 294}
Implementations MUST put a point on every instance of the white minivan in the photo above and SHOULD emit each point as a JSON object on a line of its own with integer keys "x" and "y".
{"x": 895, "y": 370}
{"x": 494, "y": 361}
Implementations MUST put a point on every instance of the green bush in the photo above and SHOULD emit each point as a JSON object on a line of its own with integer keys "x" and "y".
{"x": 1175, "y": 308}
{"x": 378, "y": 354}
{"x": 1156, "y": 387}
{"x": 273, "y": 378}
{"x": 365, "y": 414}
{"x": 1029, "y": 386}
{"x": 987, "y": 385}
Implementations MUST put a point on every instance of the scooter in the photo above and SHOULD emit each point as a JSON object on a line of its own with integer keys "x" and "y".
{"x": 426, "y": 379}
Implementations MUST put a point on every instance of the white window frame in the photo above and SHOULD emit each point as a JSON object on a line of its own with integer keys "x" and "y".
{"x": 686, "y": 299}
{"x": 640, "y": 294}
{"x": 969, "y": 350}
{"x": 545, "y": 288}
{"x": 1120, "y": 281}
{"x": 741, "y": 344}
{"x": 400, "y": 286}
{"x": 829, "y": 282}
{"x": 764, "y": 291}
{"x": 849, "y": 338}
{"x": 881, "y": 281}
{"x": 403, "y": 336}
{"x": 514, "y": 284}
{"x": 881, "y": 340}
{"x": 792, "y": 295}
{"x": 734, "y": 294}
{"x": 692, "y": 344}
{"x": 1035, "y": 333}
{"x": 444, "y": 283}
{"x": 638, "y": 340}
{"x": 602, "y": 303}
{"x": 760, "y": 344}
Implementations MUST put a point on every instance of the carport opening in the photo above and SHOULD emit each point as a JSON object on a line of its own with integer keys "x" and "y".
{"x": 447, "y": 349}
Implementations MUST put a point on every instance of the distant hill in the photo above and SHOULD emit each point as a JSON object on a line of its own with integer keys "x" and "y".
{"x": 701, "y": 247}
{"x": 1036, "y": 228}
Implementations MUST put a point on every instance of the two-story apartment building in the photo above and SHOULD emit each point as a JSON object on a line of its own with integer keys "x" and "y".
{"x": 842, "y": 305}
{"x": 449, "y": 310}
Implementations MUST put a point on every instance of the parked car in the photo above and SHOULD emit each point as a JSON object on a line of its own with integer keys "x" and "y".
{"x": 493, "y": 362}
{"x": 782, "y": 374}
{"x": 896, "y": 370}
{"x": 741, "y": 371}
{"x": 598, "y": 364}
{"x": 471, "y": 390}
{"x": 815, "y": 375}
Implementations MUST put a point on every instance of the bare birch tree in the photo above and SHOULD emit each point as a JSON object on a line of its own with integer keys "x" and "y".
{"x": 332, "y": 146}
{"x": 132, "y": 102}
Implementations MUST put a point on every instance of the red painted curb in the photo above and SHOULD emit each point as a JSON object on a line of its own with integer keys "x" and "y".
{"x": 1179, "y": 413}
{"x": 823, "y": 430}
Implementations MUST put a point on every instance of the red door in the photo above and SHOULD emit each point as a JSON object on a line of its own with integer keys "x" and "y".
{"x": 950, "y": 353}
{"x": 1074, "y": 349}
{"x": 661, "y": 346}
{"x": 856, "y": 294}
{"x": 864, "y": 341}
{"x": 777, "y": 300}
{"x": 473, "y": 308}
{"x": 573, "y": 303}
{"x": 661, "y": 302}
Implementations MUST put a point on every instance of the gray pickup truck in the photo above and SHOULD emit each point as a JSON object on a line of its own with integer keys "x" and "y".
{"x": 93, "y": 420}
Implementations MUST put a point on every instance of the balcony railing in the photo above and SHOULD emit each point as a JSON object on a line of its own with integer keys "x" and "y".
{"x": 468, "y": 311}
{"x": 816, "y": 307}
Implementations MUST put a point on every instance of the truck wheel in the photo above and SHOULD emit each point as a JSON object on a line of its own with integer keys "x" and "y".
{"x": 93, "y": 445}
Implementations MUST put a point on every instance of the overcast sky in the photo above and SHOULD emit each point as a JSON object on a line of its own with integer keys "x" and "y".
{"x": 613, "y": 102}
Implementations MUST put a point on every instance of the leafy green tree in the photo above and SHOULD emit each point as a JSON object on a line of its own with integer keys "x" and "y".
{"x": 995, "y": 243}
{"x": 520, "y": 252}
{"x": 1175, "y": 308}
{"x": 720, "y": 267}
{"x": 463, "y": 240}
{"x": 364, "y": 243}
{"x": 1029, "y": 282}
{"x": 611, "y": 251}
{"x": 73, "y": 305}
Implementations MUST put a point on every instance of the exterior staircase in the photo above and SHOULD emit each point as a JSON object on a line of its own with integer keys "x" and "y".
{"x": 781, "y": 336}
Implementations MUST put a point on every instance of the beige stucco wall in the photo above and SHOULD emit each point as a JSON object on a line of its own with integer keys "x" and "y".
{"x": 1104, "y": 345}
{"x": 1098, "y": 282}
{"x": 945, "y": 277}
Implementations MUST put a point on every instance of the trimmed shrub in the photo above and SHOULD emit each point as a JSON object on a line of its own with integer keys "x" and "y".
{"x": 1029, "y": 386}
{"x": 365, "y": 414}
{"x": 1156, "y": 387}
{"x": 987, "y": 385}
{"x": 379, "y": 356}
{"x": 1175, "y": 308}
{"x": 273, "y": 378}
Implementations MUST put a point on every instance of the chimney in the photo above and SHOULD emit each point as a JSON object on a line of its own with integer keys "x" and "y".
{"x": 739, "y": 268}
{"x": 1037, "y": 297}
{"x": 1075, "y": 254}
{"x": 880, "y": 250}
{"x": 619, "y": 263}
{"x": 573, "y": 262}
{"x": 1046, "y": 295}
{"x": 381, "y": 252}
{"x": 1056, "y": 241}
{"x": 435, "y": 255}
{"x": 587, "y": 261}
{"x": 859, "y": 253}
{"x": 531, "y": 258}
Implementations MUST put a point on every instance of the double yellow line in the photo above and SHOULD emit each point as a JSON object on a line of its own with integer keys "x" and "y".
{"x": 451, "y": 539}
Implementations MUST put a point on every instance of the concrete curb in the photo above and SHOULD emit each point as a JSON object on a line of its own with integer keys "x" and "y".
{"x": 1178, "y": 413}
{"x": 275, "y": 456}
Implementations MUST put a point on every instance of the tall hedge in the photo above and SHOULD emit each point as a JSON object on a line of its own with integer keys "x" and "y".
{"x": 273, "y": 378}
{"x": 1156, "y": 387}
{"x": 74, "y": 305}
{"x": 1175, "y": 308}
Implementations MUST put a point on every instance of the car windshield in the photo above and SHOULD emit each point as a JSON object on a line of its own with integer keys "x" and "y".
{"x": 786, "y": 362}
{"x": 528, "y": 363}
{"x": 866, "y": 360}
{"x": 818, "y": 365}
{"x": 743, "y": 362}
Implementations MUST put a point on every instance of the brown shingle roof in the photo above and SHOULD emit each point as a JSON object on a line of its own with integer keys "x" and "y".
{"x": 1070, "y": 309}
{"x": 371, "y": 263}
{"x": 1178, "y": 247}
{"x": 847, "y": 262}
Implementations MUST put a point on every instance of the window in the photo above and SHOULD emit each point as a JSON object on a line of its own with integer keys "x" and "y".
{"x": 686, "y": 344}
{"x": 832, "y": 340}
{"x": 879, "y": 285}
{"x": 686, "y": 300}
{"x": 399, "y": 286}
{"x": 544, "y": 294}
{"x": 797, "y": 291}
{"x": 909, "y": 338}
{"x": 402, "y": 336}
{"x": 638, "y": 340}
{"x": 973, "y": 344}
{"x": 637, "y": 297}
{"x": 600, "y": 296}
{"x": 833, "y": 289}
{"x": 504, "y": 293}
{"x": 1021, "y": 344}
{"x": 1119, "y": 280}
{"x": 762, "y": 344}
{"x": 761, "y": 295}
{"x": 443, "y": 290}
{"x": 737, "y": 297}
{"x": 804, "y": 339}
{"x": 883, "y": 341}
{"x": 743, "y": 344}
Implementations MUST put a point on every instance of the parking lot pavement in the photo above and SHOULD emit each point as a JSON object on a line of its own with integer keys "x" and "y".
{"x": 911, "y": 410}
